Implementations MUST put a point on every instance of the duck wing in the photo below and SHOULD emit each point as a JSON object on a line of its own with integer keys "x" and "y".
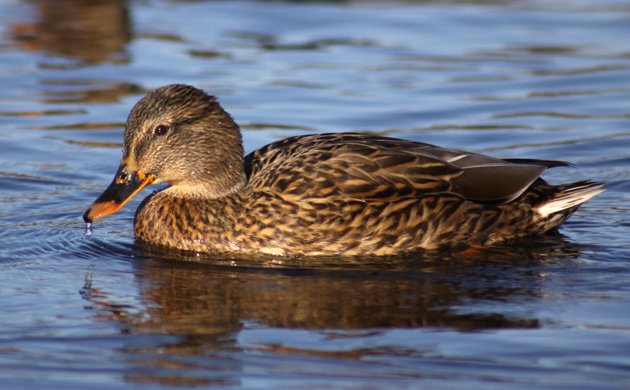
{"x": 366, "y": 167}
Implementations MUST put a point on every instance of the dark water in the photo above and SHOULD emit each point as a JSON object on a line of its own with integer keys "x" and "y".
{"x": 543, "y": 79}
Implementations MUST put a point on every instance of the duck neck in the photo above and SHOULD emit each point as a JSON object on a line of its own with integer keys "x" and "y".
{"x": 197, "y": 192}
{"x": 222, "y": 184}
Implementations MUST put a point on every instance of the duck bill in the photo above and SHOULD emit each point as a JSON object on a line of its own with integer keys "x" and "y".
{"x": 126, "y": 184}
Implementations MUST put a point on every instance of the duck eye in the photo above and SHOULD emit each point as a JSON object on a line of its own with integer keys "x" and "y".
{"x": 161, "y": 129}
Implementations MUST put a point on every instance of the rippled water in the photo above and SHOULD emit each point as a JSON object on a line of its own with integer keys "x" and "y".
{"x": 543, "y": 79}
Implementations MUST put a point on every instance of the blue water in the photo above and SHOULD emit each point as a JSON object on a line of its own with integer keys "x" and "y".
{"x": 545, "y": 79}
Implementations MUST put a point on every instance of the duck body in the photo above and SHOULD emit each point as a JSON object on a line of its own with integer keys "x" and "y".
{"x": 353, "y": 194}
{"x": 342, "y": 194}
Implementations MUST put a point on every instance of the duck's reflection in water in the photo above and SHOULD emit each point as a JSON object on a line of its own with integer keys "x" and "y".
{"x": 206, "y": 302}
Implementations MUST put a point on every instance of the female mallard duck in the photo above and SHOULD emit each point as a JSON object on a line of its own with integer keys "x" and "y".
{"x": 327, "y": 194}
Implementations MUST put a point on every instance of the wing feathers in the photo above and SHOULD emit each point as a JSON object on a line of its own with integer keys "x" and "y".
{"x": 496, "y": 183}
{"x": 372, "y": 167}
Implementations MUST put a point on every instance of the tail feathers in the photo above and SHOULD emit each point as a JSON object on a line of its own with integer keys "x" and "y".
{"x": 571, "y": 196}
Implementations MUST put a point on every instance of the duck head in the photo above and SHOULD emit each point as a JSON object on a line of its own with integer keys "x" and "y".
{"x": 178, "y": 135}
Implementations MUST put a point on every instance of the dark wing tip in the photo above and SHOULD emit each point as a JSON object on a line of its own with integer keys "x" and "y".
{"x": 544, "y": 163}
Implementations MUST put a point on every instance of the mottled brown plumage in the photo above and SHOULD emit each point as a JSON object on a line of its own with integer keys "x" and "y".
{"x": 328, "y": 194}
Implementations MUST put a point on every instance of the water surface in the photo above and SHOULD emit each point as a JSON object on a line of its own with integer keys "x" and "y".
{"x": 545, "y": 79}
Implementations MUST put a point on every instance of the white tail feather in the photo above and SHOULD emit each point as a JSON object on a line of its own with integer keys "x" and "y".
{"x": 572, "y": 196}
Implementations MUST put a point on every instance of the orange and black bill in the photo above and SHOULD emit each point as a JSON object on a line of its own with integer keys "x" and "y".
{"x": 126, "y": 184}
